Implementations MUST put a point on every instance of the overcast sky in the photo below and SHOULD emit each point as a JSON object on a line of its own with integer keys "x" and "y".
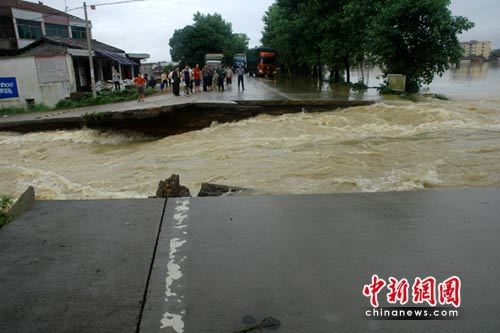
{"x": 146, "y": 27}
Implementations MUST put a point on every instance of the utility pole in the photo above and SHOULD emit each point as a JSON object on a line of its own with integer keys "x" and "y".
{"x": 89, "y": 47}
{"x": 89, "y": 38}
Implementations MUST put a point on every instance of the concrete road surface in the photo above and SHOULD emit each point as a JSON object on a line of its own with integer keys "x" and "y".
{"x": 225, "y": 264}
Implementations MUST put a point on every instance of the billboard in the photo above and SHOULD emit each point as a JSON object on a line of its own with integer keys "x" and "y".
{"x": 52, "y": 69}
{"x": 8, "y": 88}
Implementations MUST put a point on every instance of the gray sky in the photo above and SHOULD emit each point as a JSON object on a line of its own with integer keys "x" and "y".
{"x": 146, "y": 27}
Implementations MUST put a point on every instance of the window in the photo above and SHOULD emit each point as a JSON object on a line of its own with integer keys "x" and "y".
{"x": 268, "y": 61}
{"x": 29, "y": 29}
{"x": 56, "y": 30}
{"x": 78, "y": 32}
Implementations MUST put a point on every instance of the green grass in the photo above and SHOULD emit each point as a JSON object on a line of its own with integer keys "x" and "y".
{"x": 102, "y": 98}
{"x": 358, "y": 86}
{"x": 5, "y": 204}
{"x": 385, "y": 90}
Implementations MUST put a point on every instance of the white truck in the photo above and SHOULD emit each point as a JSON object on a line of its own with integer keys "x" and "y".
{"x": 214, "y": 59}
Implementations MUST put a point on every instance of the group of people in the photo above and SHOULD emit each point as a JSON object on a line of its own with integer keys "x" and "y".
{"x": 206, "y": 78}
{"x": 194, "y": 79}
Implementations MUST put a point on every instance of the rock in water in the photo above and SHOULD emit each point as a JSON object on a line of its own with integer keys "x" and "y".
{"x": 171, "y": 188}
{"x": 215, "y": 190}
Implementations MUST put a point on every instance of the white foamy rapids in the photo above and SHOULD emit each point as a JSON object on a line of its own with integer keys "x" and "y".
{"x": 84, "y": 136}
{"x": 425, "y": 176}
{"x": 383, "y": 147}
{"x": 50, "y": 185}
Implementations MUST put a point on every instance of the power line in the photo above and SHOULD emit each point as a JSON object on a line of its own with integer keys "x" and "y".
{"x": 81, "y": 7}
{"x": 113, "y": 3}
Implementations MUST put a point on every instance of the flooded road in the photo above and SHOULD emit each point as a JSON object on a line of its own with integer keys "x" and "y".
{"x": 471, "y": 81}
{"x": 384, "y": 147}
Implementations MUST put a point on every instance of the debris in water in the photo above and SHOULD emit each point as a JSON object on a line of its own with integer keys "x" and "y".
{"x": 171, "y": 188}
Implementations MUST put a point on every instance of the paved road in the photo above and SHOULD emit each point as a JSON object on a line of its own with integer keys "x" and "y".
{"x": 69, "y": 266}
{"x": 255, "y": 89}
{"x": 305, "y": 259}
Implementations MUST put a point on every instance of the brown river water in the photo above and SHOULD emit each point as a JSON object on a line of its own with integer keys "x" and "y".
{"x": 393, "y": 145}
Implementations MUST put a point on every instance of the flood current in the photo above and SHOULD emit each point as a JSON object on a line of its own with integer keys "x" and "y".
{"x": 393, "y": 145}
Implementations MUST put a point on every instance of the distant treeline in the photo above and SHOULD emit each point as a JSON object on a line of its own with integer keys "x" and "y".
{"x": 415, "y": 38}
{"x": 209, "y": 33}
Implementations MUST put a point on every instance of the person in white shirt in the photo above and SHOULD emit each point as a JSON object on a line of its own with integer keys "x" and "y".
{"x": 116, "y": 79}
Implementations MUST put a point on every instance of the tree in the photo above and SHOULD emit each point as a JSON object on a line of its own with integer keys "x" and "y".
{"x": 239, "y": 44}
{"x": 284, "y": 31}
{"x": 208, "y": 34}
{"x": 308, "y": 34}
{"x": 416, "y": 38}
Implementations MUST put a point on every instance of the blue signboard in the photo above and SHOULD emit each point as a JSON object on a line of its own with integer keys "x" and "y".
{"x": 8, "y": 88}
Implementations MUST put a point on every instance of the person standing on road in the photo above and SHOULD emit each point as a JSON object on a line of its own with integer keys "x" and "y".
{"x": 191, "y": 79}
{"x": 197, "y": 78}
{"x": 204, "y": 74}
{"x": 164, "y": 80}
{"x": 140, "y": 83}
{"x": 169, "y": 77}
{"x": 229, "y": 75}
{"x": 240, "y": 71}
{"x": 186, "y": 76}
{"x": 176, "y": 81}
{"x": 211, "y": 73}
{"x": 116, "y": 80}
{"x": 221, "y": 75}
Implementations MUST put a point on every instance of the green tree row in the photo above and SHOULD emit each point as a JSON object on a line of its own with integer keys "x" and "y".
{"x": 415, "y": 38}
{"x": 208, "y": 34}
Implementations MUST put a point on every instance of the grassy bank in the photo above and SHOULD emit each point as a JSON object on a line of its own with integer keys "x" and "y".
{"x": 414, "y": 97}
{"x": 102, "y": 98}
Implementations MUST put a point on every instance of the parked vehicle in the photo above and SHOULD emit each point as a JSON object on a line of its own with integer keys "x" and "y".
{"x": 239, "y": 59}
{"x": 214, "y": 59}
{"x": 261, "y": 61}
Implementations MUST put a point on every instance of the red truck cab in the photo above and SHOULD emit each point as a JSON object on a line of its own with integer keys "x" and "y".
{"x": 267, "y": 63}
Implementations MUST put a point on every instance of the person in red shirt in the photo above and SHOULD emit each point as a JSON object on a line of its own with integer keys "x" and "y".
{"x": 140, "y": 83}
{"x": 197, "y": 78}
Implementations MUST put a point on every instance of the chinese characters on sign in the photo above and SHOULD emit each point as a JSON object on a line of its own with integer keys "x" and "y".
{"x": 8, "y": 88}
{"x": 422, "y": 290}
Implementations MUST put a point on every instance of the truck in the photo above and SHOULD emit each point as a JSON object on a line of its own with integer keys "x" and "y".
{"x": 214, "y": 59}
{"x": 261, "y": 61}
{"x": 239, "y": 59}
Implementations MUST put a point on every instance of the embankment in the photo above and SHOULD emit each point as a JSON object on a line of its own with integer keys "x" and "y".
{"x": 177, "y": 118}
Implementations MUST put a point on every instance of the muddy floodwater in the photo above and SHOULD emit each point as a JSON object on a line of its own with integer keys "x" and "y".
{"x": 384, "y": 147}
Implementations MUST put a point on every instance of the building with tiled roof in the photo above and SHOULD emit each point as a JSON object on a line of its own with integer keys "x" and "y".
{"x": 23, "y": 22}
{"x": 43, "y": 52}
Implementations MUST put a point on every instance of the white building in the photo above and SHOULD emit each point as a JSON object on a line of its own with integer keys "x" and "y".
{"x": 44, "y": 54}
{"x": 50, "y": 69}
